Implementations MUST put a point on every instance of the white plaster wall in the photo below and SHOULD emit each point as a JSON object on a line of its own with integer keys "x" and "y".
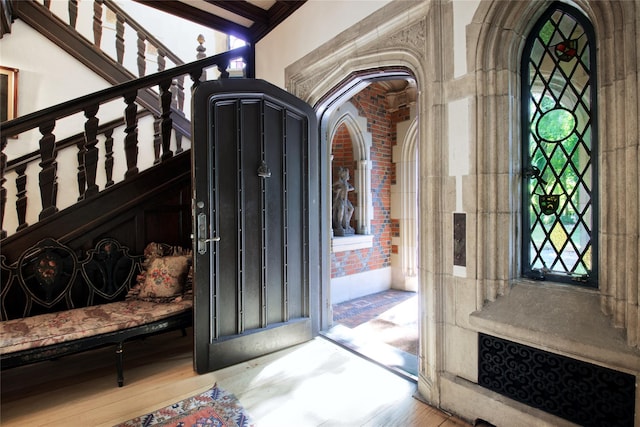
{"x": 47, "y": 76}
{"x": 178, "y": 34}
{"x": 360, "y": 284}
{"x": 316, "y": 22}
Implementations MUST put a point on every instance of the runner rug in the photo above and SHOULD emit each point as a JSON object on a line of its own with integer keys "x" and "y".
{"x": 213, "y": 408}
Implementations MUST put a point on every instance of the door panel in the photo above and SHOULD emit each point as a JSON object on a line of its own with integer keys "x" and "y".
{"x": 254, "y": 292}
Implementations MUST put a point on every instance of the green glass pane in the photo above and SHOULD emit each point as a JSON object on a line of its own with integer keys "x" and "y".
{"x": 546, "y": 32}
{"x": 556, "y": 125}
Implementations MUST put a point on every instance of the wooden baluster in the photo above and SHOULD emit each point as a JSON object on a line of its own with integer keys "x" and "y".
{"x": 179, "y": 148}
{"x": 82, "y": 176}
{"x": 21, "y": 195}
{"x": 180, "y": 88}
{"x": 47, "y": 176}
{"x": 162, "y": 63}
{"x": 166, "y": 123}
{"x": 177, "y": 92}
{"x": 120, "y": 39}
{"x": 174, "y": 93}
{"x": 131, "y": 135}
{"x": 97, "y": 23}
{"x": 157, "y": 140}
{"x": 73, "y": 13}
{"x": 47, "y": 4}
{"x": 3, "y": 191}
{"x": 91, "y": 152}
{"x": 224, "y": 74}
{"x": 195, "y": 78}
{"x": 108, "y": 161}
{"x": 177, "y": 102}
{"x": 142, "y": 61}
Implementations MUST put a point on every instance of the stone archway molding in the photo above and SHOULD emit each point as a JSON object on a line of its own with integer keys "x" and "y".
{"x": 361, "y": 139}
{"x": 499, "y": 29}
{"x": 390, "y": 43}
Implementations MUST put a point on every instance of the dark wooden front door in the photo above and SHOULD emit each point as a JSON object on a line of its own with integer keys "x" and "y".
{"x": 256, "y": 226}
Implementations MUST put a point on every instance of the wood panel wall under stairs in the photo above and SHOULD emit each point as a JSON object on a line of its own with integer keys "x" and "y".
{"x": 154, "y": 206}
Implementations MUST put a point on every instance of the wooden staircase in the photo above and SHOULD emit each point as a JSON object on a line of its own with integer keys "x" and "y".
{"x": 136, "y": 208}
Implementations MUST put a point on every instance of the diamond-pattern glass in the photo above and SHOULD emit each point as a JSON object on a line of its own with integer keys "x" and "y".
{"x": 558, "y": 150}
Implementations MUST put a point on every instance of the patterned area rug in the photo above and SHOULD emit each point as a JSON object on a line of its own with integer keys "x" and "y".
{"x": 213, "y": 408}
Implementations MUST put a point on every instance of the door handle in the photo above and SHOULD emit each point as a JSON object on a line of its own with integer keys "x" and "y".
{"x": 203, "y": 233}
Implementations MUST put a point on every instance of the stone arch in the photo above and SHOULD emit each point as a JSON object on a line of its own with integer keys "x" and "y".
{"x": 407, "y": 173}
{"x": 347, "y": 114}
{"x": 337, "y": 69}
{"x": 500, "y": 30}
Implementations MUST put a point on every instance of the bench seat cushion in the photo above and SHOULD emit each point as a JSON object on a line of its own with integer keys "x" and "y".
{"x": 53, "y": 328}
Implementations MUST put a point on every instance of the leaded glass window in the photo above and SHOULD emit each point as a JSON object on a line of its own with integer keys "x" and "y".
{"x": 559, "y": 149}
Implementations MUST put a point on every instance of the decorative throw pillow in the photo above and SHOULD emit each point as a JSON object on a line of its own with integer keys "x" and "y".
{"x": 165, "y": 277}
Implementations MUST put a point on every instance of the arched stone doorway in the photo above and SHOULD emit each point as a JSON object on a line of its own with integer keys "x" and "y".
{"x": 373, "y": 290}
{"x": 374, "y": 135}
{"x": 399, "y": 50}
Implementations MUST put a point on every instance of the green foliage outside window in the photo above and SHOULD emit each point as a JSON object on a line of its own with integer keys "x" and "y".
{"x": 558, "y": 204}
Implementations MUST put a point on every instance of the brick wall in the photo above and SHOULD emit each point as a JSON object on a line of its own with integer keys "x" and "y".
{"x": 381, "y": 124}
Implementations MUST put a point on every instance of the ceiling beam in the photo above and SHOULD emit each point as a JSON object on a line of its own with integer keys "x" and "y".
{"x": 244, "y": 9}
{"x": 277, "y": 13}
{"x": 199, "y": 16}
{"x": 264, "y": 21}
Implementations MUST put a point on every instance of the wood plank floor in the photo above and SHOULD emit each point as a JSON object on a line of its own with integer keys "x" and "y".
{"x": 314, "y": 384}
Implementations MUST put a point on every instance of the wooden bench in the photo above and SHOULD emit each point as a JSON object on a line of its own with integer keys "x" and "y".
{"x": 55, "y": 303}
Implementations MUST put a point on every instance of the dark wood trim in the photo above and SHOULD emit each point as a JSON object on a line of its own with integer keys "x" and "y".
{"x": 280, "y": 11}
{"x": 199, "y": 16}
{"x": 6, "y": 16}
{"x": 264, "y": 21}
{"x": 24, "y": 123}
{"x": 104, "y": 212}
{"x": 68, "y": 142}
{"x": 129, "y": 84}
{"x": 244, "y": 9}
{"x": 52, "y": 27}
{"x": 24, "y": 357}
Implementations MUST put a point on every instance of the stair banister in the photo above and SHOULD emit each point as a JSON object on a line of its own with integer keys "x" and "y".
{"x": 46, "y": 119}
{"x": 122, "y": 19}
{"x": 64, "y": 109}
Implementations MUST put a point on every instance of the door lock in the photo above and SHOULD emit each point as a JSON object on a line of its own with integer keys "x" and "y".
{"x": 203, "y": 233}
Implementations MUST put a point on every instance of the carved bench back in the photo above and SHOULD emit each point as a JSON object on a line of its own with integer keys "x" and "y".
{"x": 51, "y": 277}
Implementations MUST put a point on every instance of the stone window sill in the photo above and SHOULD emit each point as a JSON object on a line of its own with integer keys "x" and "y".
{"x": 558, "y": 318}
{"x": 350, "y": 243}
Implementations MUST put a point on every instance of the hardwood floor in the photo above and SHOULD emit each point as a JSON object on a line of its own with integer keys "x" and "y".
{"x": 313, "y": 384}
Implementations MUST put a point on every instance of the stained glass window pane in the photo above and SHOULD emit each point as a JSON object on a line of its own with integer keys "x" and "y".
{"x": 559, "y": 190}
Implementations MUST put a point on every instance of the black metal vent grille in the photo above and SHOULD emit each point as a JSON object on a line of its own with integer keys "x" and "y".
{"x": 577, "y": 391}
